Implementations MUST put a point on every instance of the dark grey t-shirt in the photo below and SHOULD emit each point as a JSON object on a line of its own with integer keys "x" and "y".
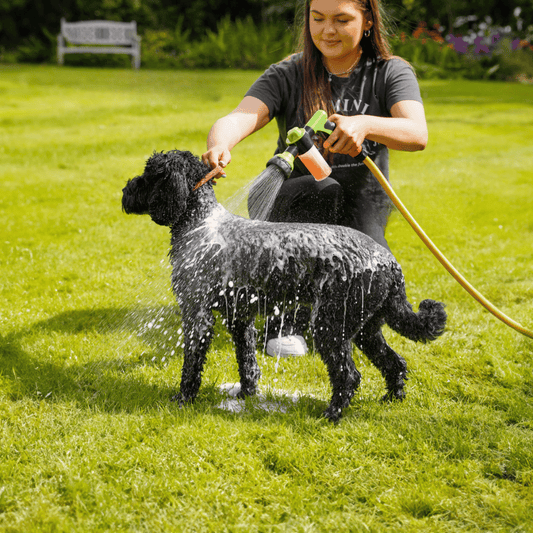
{"x": 371, "y": 89}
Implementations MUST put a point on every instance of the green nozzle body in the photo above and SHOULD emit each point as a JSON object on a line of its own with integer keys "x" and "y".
{"x": 301, "y": 139}
{"x": 320, "y": 124}
{"x": 300, "y": 142}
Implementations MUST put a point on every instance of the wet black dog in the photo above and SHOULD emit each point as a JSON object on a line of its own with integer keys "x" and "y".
{"x": 244, "y": 268}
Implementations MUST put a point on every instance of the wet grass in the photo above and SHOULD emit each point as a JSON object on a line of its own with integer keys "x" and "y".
{"x": 89, "y": 439}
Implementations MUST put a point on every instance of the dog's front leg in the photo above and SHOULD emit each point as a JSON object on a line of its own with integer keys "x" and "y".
{"x": 198, "y": 333}
{"x": 245, "y": 337}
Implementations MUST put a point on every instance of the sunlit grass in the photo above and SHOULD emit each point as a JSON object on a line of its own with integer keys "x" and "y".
{"x": 90, "y": 440}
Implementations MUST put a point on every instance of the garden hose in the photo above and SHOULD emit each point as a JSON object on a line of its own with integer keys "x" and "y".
{"x": 439, "y": 255}
{"x": 301, "y": 137}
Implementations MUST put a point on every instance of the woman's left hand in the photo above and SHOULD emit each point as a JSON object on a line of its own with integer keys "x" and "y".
{"x": 348, "y": 136}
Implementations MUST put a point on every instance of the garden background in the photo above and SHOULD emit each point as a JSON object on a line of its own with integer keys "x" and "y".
{"x": 476, "y": 39}
{"x": 88, "y": 438}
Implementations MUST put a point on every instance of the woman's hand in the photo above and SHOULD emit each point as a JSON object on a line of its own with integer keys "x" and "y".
{"x": 217, "y": 156}
{"x": 348, "y": 136}
{"x": 405, "y": 129}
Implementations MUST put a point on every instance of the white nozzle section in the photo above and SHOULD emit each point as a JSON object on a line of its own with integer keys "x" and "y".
{"x": 315, "y": 163}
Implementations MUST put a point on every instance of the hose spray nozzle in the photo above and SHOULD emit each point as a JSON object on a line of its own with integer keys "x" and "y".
{"x": 308, "y": 153}
{"x": 300, "y": 144}
{"x": 285, "y": 161}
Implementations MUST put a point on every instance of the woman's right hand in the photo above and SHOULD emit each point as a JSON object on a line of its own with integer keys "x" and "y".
{"x": 217, "y": 156}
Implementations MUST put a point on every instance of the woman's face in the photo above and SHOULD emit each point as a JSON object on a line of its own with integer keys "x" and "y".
{"x": 337, "y": 28}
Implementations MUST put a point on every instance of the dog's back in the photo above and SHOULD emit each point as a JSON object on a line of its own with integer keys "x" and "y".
{"x": 255, "y": 252}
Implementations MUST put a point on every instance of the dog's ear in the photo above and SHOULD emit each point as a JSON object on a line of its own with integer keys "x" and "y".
{"x": 168, "y": 200}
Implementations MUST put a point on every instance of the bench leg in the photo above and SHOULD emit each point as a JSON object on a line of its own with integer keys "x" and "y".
{"x": 60, "y": 54}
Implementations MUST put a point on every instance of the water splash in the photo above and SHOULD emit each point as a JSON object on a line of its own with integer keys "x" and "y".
{"x": 238, "y": 202}
{"x": 271, "y": 400}
{"x": 150, "y": 317}
{"x": 256, "y": 199}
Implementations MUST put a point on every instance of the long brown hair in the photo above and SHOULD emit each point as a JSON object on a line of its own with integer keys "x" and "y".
{"x": 316, "y": 91}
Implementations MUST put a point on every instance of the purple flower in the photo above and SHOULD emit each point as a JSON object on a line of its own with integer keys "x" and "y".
{"x": 480, "y": 47}
{"x": 458, "y": 43}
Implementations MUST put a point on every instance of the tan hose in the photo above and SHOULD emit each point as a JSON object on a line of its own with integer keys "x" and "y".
{"x": 215, "y": 172}
{"x": 438, "y": 254}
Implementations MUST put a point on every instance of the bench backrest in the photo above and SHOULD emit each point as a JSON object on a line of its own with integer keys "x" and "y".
{"x": 99, "y": 32}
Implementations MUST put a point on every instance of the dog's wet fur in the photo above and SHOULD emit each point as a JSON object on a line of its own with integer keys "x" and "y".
{"x": 244, "y": 268}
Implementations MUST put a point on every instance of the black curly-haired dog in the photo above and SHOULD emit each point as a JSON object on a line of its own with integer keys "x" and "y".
{"x": 244, "y": 268}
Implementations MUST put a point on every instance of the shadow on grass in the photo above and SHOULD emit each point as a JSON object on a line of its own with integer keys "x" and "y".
{"x": 103, "y": 358}
{"x": 110, "y": 360}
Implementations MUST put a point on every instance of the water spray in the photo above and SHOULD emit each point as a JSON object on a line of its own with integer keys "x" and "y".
{"x": 301, "y": 138}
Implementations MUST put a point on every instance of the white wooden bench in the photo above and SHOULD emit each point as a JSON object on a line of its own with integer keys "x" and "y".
{"x": 99, "y": 37}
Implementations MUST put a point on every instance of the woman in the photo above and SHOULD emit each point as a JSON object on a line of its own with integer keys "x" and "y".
{"x": 346, "y": 68}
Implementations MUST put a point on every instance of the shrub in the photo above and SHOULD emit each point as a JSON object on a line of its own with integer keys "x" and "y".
{"x": 165, "y": 48}
{"x": 484, "y": 52}
{"x": 236, "y": 44}
{"x": 241, "y": 44}
{"x": 32, "y": 50}
{"x": 490, "y": 51}
{"x": 514, "y": 62}
{"x": 429, "y": 53}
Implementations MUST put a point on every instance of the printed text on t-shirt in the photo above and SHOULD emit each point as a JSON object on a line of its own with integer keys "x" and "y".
{"x": 351, "y": 106}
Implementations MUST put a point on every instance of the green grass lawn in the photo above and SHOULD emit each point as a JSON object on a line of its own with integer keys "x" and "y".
{"x": 89, "y": 440}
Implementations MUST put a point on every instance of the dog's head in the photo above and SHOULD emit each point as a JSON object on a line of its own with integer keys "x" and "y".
{"x": 164, "y": 187}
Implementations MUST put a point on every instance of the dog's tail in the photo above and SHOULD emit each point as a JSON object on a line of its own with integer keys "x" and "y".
{"x": 424, "y": 326}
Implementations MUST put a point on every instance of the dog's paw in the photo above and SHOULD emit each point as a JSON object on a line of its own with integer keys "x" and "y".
{"x": 245, "y": 392}
{"x": 180, "y": 400}
{"x": 391, "y": 396}
{"x": 333, "y": 414}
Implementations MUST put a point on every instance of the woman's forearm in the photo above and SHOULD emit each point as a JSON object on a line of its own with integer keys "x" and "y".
{"x": 397, "y": 133}
{"x": 405, "y": 130}
{"x": 228, "y": 131}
